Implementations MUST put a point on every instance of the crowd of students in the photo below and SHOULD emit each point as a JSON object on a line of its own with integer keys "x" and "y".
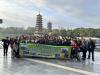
{"x": 78, "y": 45}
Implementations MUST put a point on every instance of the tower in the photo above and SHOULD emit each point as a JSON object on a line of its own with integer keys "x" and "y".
{"x": 49, "y": 26}
{"x": 38, "y": 27}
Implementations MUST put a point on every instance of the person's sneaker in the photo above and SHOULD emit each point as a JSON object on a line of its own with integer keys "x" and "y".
{"x": 93, "y": 60}
{"x": 88, "y": 58}
{"x": 84, "y": 59}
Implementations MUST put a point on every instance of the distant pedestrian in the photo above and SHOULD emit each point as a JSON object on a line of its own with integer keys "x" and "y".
{"x": 12, "y": 46}
{"x": 5, "y": 45}
{"x": 17, "y": 45}
{"x": 75, "y": 49}
{"x": 84, "y": 48}
{"x": 91, "y": 49}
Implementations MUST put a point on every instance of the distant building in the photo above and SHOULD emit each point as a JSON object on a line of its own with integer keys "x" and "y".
{"x": 49, "y": 26}
{"x": 38, "y": 27}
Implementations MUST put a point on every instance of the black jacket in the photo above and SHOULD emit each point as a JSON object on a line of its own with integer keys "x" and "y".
{"x": 92, "y": 44}
{"x": 5, "y": 42}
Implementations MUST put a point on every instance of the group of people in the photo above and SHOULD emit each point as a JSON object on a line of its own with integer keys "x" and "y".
{"x": 83, "y": 46}
{"x": 14, "y": 43}
{"x": 78, "y": 45}
{"x": 48, "y": 40}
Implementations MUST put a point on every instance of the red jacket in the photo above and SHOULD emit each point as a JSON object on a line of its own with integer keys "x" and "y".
{"x": 74, "y": 45}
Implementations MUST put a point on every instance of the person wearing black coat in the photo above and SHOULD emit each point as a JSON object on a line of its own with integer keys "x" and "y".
{"x": 91, "y": 49}
{"x": 5, "y": 45}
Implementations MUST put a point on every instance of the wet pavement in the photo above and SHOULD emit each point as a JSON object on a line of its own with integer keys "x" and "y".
{"x": 41, "y": 66}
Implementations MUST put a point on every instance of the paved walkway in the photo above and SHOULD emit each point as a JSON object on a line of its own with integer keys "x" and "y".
{"x": 38, "y": 66}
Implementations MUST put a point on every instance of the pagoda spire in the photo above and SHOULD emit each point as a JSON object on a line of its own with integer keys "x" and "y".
{"x": 39, "y": 11}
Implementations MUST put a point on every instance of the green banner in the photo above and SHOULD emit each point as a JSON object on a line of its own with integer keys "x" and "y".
{"x": 48, "y": 51}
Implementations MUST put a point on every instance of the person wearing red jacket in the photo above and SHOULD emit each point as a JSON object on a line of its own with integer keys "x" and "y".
{"x": 75, "y": 48}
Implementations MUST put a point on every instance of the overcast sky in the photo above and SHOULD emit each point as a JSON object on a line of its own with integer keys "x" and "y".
{"x": 62, "y": 13}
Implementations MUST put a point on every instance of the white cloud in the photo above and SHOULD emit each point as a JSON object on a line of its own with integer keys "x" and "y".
{"x": 62, "y": 11}
{"x": 39, "y": 3}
